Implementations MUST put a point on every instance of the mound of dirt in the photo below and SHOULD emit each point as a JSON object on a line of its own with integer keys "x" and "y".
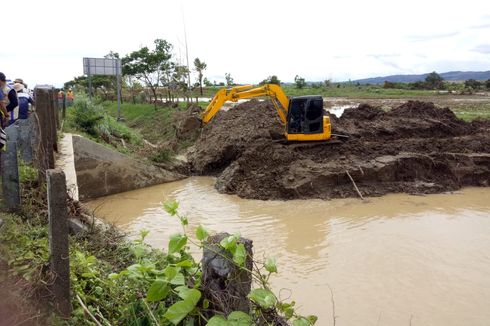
{"x": 414, "y": 148}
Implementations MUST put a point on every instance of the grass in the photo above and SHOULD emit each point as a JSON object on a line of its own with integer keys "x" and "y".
{"x": 471, "y": 111}
{"x": 352, "y": 91}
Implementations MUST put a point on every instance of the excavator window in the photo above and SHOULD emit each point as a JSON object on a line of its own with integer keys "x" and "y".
{"x": 305, "y": 115}
{"x": 296, "y": 115}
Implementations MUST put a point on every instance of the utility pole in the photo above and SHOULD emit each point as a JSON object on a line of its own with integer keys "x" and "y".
{"x": 186, "y": 52}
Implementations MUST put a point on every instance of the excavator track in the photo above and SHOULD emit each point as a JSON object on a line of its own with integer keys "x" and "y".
{"x": 335, "y": 140}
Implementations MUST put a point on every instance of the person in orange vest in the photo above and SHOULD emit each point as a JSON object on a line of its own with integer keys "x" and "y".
{"x": 69, "y": 97}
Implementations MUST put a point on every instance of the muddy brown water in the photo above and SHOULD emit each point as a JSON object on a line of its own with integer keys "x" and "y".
{"x": 392, "y": 260}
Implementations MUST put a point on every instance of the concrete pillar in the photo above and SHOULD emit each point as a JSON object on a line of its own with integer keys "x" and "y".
{"x": 45, "y": 155}
{"x": 10, "y": 177}
{"x": 224, "y": 284}
{"x": 58, "y": 240}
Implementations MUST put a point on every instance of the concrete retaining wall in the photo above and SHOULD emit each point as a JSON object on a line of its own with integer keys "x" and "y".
{"x": 102, "y": 171}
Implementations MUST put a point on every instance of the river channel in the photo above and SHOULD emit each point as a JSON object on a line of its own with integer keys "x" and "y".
{"x": 394, "y": 260}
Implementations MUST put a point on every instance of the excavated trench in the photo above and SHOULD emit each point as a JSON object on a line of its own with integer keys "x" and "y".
{"x": 414, "y": 148}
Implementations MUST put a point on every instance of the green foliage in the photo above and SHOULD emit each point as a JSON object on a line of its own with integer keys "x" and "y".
{"x": 199, "y": 66}
{"x": 27, "y": 173}
{"x": 151, "y": 67}
{"x": 473, "y": 84}
{"x": 235, "y": 318}
{"x": 164, "y": 155}
{"x": 434, "y": 81}
{"x": 229, "y": 79}
{"x": 271, "y": 80}
{"x": 487, "y": 84}
{"x": 270, "y": 265}
{"x": 86, "y": 115}
{"x": 91, "y": 118}
{"x": 299, "y": 82}
{"x": 263, "y": 297}
{"x": 201, "y": 233}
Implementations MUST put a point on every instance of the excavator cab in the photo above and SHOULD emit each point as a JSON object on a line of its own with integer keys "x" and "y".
{"x": 306, "y": 119}
{"x": 305, "y": 115}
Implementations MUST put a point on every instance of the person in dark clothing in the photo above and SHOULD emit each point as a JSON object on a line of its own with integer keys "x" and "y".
{"x": 9, "y": 98}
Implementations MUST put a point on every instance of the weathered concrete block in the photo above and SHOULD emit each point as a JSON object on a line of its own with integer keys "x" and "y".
{"x": 224, "y": 284}
{"x": 10, "y": 177}
{"x": 76, "y": 226}
{"x": 102, "y": 171}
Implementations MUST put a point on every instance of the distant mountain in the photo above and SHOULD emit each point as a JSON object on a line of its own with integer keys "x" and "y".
{"x": 450, "y": 76}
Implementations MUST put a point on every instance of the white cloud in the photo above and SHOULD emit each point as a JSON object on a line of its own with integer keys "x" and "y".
{"x": 251, "y": 40}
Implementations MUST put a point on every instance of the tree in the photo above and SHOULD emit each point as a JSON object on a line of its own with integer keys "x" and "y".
{"x": 327, "y": 83}
{"x": 229, "y": 79}
{"x": 487, "y": 84}
{"x": 149, "y": 66}
{"x": 207, "y": 83}
{"x": 271, "y": 80}
{"x": 299, "y": 81}
{"x": 434, "y": 81}
{"x": 472, "y": 83}
{"x": 199, "y": 66}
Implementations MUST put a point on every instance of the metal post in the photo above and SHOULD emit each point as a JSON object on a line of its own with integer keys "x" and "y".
{"x": 118, "y": 78}
{"x": 89, "y": 81}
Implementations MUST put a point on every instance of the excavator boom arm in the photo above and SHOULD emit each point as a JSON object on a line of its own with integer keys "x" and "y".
{"x": 274, "y": 92}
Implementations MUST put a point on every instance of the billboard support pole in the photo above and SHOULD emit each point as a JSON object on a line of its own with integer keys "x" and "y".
{"x": 89, "y": 83}
{"x": 118, "y": 78}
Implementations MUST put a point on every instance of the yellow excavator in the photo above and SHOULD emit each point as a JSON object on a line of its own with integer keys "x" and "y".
{"x": 302, "y": 116}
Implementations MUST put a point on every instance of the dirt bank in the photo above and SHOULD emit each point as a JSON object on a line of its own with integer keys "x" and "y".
{"x": 414, "y": 148}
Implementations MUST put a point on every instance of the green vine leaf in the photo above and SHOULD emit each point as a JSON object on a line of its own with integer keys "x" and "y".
{"x": 170, "y": 272}
{"x": 185, "y": 263}
{"x": 176, "y": 243}
{"x": 305, "y": 321}
{"x": 191, "y": 295}
{"x": 201, "y": 233}
{"x": 270, "y": 265}
{"x": 218, "y": 321}
{"x": 158, "y": 290}
{"x": 178, "y": 311}
{"x": 263, "y": 297}
{"x": 240, "y": 254}
{"x": 239, "y": 318}
{"x": 171, "y": 207}
{"x": 229, "y": 243}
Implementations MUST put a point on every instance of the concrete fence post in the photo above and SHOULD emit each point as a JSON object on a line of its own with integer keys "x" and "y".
{"x": 45, "y": 154}
{"x": 10, "y": 176}
{"x": 224, "y": 284}
{"x": 58, "y": 240}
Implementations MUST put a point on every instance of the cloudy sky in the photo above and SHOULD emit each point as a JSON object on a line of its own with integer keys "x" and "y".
{"x": 338, "y": 40}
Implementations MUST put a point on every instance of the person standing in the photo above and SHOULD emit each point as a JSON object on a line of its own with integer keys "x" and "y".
{"x": 24, "y": 130}
{"x": 69, "y": 97}
{"x": 4, "y": 115}
{"x": 10, "y": 98}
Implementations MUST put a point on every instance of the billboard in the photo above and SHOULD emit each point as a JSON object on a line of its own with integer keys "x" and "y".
{"x": 101, "y": 66}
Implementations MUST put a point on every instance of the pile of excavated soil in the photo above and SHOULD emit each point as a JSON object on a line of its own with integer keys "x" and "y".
{"x": 414, "y": 148}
